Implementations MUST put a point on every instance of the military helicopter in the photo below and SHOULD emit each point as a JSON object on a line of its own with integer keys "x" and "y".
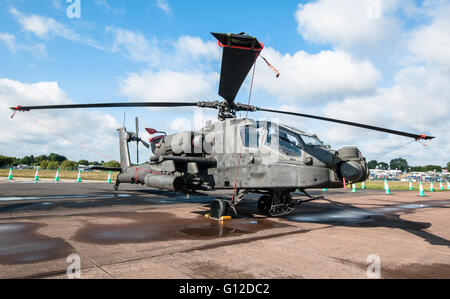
{"x": 239, "y": 154}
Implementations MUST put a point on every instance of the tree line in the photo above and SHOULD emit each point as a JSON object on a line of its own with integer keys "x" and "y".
{"x": 402, "y": 164}
{"x": 52, "y": 161}
{"x": 55, "y": 161}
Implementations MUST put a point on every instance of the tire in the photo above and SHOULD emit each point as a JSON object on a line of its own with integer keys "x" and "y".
{"x": 264, "y": 204}
{"x": 218, "y": 208}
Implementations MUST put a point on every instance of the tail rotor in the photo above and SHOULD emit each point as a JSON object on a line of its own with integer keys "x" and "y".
{"x": 135, "y": 137}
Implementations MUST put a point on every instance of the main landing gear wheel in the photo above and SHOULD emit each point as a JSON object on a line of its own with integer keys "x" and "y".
{"x": 277, "y": 204}
{"x": 117, "y": 184}
{"x": 265, "y": 204}
{"x": 218, "y": 208}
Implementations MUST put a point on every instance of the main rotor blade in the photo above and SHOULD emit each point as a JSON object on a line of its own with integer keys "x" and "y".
{"x": 107, "y": 105}
{"x": 239, "y": 54}
{"x": 405, "y": 134}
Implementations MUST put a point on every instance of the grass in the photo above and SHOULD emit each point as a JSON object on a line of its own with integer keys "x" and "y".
{"x": 396, "y": 185}
{"x": 63, "y": 175}
{"x": 103, "y": 176}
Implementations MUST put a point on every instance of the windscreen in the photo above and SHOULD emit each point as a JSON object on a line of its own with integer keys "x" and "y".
{"x": 311, "y": 140}
{"x": 250, "y": 135}
{"x": 283, "y": 140}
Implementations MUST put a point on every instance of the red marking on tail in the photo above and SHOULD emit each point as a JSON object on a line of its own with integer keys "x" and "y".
{"x": 151, "y": 131}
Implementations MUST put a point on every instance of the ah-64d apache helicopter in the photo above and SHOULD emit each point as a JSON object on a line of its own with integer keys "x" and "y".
{"x": 239, "y": 154}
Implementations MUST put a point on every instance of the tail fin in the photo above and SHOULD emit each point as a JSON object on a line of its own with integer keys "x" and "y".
{"x": 124, "y": 151}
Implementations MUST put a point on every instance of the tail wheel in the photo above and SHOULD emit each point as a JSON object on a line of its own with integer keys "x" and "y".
{"x": 218, "y": 208}
{"x": 265, "y": 204}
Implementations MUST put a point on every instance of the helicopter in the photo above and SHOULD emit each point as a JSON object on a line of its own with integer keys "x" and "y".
{"x": 239, "y": 154}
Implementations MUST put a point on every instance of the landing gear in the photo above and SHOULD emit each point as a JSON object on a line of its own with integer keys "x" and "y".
{"x": 265, "y": 204}
{"x": 116, "y": 185}
{"x": 276, "y": 204}
{"x": 218, "y": 208}
{"x": 280, "y": 202}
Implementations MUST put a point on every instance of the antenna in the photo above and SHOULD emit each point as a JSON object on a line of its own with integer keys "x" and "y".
{"x": 137, "y": 143}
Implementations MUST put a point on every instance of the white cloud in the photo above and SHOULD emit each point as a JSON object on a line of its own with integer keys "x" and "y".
{"x": 314, "y": 78}
{"x": 36, "y": 24}
{"x": 167, "y": 85}
{"x": 164, "y": 6}
{"x": 22, "y": 136}
{"x": 45, "y": 28}
{"x": 105, "y": 4}
{"x": 166, "y": 53}
{"x": 135, "y": 45}
{"x": 347, "y": 23}
{"x": 9, "y": 40}
{"x": 57, "y": 4}
{"x": 37, "y": 50}
{"x": 417, "y": 98}
{"x": 416, "y": 103}
{"x": 333, "y": 82}
{"x": 195, "y": 48}
{"x": 431, "y": 43}
{"x": 181, "y": 124}
{"x": 195, "y": 119}
{"x": 178, "y": 70}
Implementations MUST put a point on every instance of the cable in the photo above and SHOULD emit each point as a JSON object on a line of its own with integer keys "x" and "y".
{"x": 404, "y": 145}
{"x": 69, "y": 140}
{"x": 246, "y": 116}
{"x": 86, "y": 147}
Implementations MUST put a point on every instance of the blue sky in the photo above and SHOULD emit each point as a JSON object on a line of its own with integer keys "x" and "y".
{"x": 75, "y": 65}
{"x": 336, "y": 59}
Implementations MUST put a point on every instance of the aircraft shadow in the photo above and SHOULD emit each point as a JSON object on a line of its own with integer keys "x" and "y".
{"x": 343, "y": 214}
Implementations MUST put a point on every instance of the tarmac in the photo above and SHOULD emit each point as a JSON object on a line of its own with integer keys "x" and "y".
{"x": 139, "y": 232}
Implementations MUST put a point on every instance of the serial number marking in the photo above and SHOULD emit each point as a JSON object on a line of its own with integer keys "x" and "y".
{"x": 246, "y": 288}
{"x": 241, "y": 288}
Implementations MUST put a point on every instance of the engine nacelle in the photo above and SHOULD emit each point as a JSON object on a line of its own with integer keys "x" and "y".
{"x": 186, "y": 142}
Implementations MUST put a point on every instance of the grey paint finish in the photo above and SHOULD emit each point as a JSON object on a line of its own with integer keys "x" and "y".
{"x": 223, "y": 161}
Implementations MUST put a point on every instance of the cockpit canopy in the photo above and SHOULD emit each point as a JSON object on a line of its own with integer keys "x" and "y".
{"x": 281, "y": 138}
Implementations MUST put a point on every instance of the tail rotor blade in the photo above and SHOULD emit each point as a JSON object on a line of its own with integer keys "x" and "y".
{"x": 137, "y": 126}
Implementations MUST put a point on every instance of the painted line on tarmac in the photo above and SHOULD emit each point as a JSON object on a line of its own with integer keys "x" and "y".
{"x": 27, "y": 198}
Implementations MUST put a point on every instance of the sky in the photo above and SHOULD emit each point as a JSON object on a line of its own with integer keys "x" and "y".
{"x": 379, "y": 62}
